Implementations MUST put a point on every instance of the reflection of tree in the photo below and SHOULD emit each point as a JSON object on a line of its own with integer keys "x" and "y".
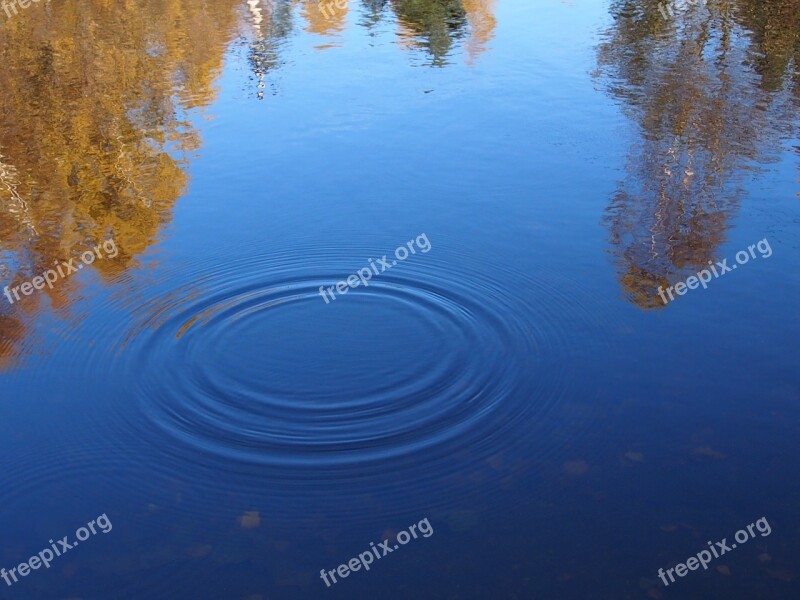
{"x": 431, "y": 24}
{"x": 273, "y": 24}
{"x": 482, "y": 24}
{"x": 435, "y": 26}
{"x": 324, "y": 22}
{"x": 373, "y": 12}
{"x": 91, "y": 132}
{"x": 93, "y": 116}
{"x": 705, "y": 92}
{"x": 775, "y": 27}
{"x": 12, "y": 335}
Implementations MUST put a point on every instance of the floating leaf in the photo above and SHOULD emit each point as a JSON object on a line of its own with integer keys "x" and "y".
{"x": 709, "y": 452}
{"x": 199, "y": 551}
{"x": 576, "y": 467}
{"x": 250, "y": 520}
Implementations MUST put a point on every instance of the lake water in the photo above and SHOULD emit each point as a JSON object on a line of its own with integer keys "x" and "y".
{"x": 283, "y": 279}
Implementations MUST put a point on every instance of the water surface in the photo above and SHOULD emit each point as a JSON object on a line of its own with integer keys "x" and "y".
{"x": 517, "y": 380}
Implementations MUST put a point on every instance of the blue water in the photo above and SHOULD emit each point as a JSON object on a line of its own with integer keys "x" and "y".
{"x": 519, "y": 383}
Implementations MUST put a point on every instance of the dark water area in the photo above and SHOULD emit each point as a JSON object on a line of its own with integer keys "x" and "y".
{"x": 564, "y": 348}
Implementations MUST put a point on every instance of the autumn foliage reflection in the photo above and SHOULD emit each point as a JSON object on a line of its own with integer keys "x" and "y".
{"x": 712, "y": 92}
{"x": 94, "y": 130}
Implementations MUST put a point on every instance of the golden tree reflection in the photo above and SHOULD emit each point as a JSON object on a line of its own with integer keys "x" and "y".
{"x": 711, "y": 93}
{"x": 480, "y": 14}
{"x": 93, "y": 129}
{"x": 323, "y": 17}
{"x": 95, "y": 111}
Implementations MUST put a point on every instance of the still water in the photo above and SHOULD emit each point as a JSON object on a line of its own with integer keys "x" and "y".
{"x": 526, "y": 185}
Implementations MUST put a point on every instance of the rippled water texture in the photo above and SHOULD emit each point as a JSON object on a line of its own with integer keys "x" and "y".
{"x": 517, "y": 379}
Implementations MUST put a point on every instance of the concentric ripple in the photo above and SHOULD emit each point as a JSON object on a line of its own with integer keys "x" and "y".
{"x": 272, "y": 374}
{"x": 443, "y": 372}
{"x": 250, "y": 365}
